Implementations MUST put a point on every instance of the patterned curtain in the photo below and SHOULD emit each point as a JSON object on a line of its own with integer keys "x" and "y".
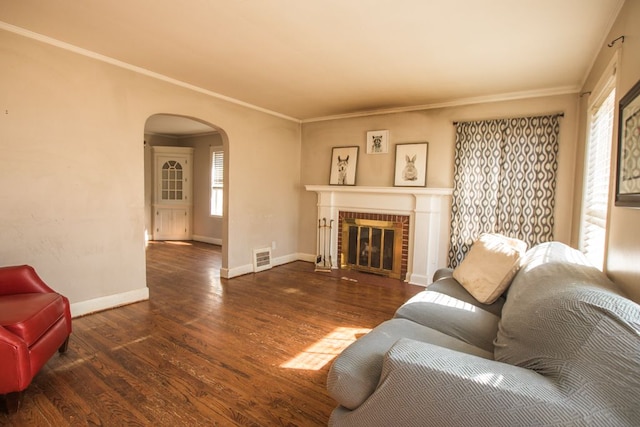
{"x": 504, "y": 181}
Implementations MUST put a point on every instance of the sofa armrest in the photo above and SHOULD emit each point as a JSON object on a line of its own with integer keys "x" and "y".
{"x": 424, "y": 384}
{"x": 21, "y": 279}
{"x": 442, "y": 273}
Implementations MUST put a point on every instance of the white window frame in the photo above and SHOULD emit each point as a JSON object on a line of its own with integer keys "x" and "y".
{"x": 596, "y": 195}
{"x": 216, "y": 194}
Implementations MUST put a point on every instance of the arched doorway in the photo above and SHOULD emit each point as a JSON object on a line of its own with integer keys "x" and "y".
{"x": 172, "y": 202}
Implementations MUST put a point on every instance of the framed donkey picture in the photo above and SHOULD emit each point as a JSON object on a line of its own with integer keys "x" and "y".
{"x": 411, "y": 165}
{"x": 344, "y": 161}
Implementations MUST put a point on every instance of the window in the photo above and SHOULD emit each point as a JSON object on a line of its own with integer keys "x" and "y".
{"x": 595, "y": 200}
{"x": 217, "y": 181}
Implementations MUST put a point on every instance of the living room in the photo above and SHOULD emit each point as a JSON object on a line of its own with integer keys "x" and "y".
{"x": 100, "y": 130}
{"x": 72, "y": 138}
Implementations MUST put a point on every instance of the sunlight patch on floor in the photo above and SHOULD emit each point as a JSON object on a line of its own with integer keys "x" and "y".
{"x": 316, "y": 356}
{"x": 169, "y": 242}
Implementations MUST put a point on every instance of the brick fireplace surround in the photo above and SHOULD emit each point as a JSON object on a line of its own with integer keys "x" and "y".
{"x": 427, "y": 210}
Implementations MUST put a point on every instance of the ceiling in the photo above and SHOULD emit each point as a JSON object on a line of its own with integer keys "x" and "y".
{"x": 312, "y": 59}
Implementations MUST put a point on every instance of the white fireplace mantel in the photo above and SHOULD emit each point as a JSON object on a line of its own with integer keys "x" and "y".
{"x": 427, "y": 208}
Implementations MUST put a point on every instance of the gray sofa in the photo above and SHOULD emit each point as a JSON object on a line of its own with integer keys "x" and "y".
{"x": 561, "y": 347}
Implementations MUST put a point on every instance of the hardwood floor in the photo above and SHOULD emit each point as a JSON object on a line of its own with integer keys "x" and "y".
{"x": 251, "y": 351}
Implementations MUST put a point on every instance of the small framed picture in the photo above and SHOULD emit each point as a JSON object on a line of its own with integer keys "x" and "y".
{"x": 378, "y": 142}
{"x": 344, "y": 161}
{"x": 411, "y": 165}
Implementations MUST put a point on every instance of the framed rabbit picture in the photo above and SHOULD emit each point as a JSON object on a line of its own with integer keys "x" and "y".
{"x": 411, "y": 165}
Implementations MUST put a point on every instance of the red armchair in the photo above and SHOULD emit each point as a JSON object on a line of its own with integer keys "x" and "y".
{"x": 35, "y": 321}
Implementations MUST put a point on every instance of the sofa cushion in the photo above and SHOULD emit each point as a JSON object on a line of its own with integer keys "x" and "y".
{"x": 29, "y": 316}
{"x": 450, "y": 286}
{"x": 452, "y": 316}
{"x": 354, "y": 375}
{"x": 489, "y": 267}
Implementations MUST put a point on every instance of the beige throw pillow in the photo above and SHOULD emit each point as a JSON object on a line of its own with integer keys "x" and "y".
{"x": 487, "y": 270}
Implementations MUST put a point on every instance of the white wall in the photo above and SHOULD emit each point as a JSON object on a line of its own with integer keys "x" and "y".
{"x": 73, "y": 195}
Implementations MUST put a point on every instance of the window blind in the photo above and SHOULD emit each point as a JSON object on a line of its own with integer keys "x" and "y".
{"x": 217, "y": 173}
{"x": 596, "y": 189}
{"x": 217, "y": 182}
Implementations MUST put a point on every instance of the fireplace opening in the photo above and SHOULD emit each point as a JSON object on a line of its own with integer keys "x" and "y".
{"x": 374, "y": 246}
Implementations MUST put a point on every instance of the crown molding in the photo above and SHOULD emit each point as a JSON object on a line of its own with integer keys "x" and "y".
{"x": 563, "y": 90}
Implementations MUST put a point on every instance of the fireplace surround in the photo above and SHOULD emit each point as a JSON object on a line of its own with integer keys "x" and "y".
{"x": 427, "y": 212}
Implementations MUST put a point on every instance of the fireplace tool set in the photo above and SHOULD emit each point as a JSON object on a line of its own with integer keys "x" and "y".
{"x": 324, "y": 245}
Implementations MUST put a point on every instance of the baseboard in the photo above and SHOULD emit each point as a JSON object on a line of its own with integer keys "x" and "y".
{"x": 284, "y": 259}
{"x": 228, "y": 273}
{"x": 111, "y": 301}
{"x": 306, "y": 257}
{"x": 205, "y": 239}
{"x": 418, "y": 279}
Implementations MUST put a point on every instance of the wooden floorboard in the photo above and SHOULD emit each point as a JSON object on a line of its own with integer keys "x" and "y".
{"x": 250, "y": 351}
